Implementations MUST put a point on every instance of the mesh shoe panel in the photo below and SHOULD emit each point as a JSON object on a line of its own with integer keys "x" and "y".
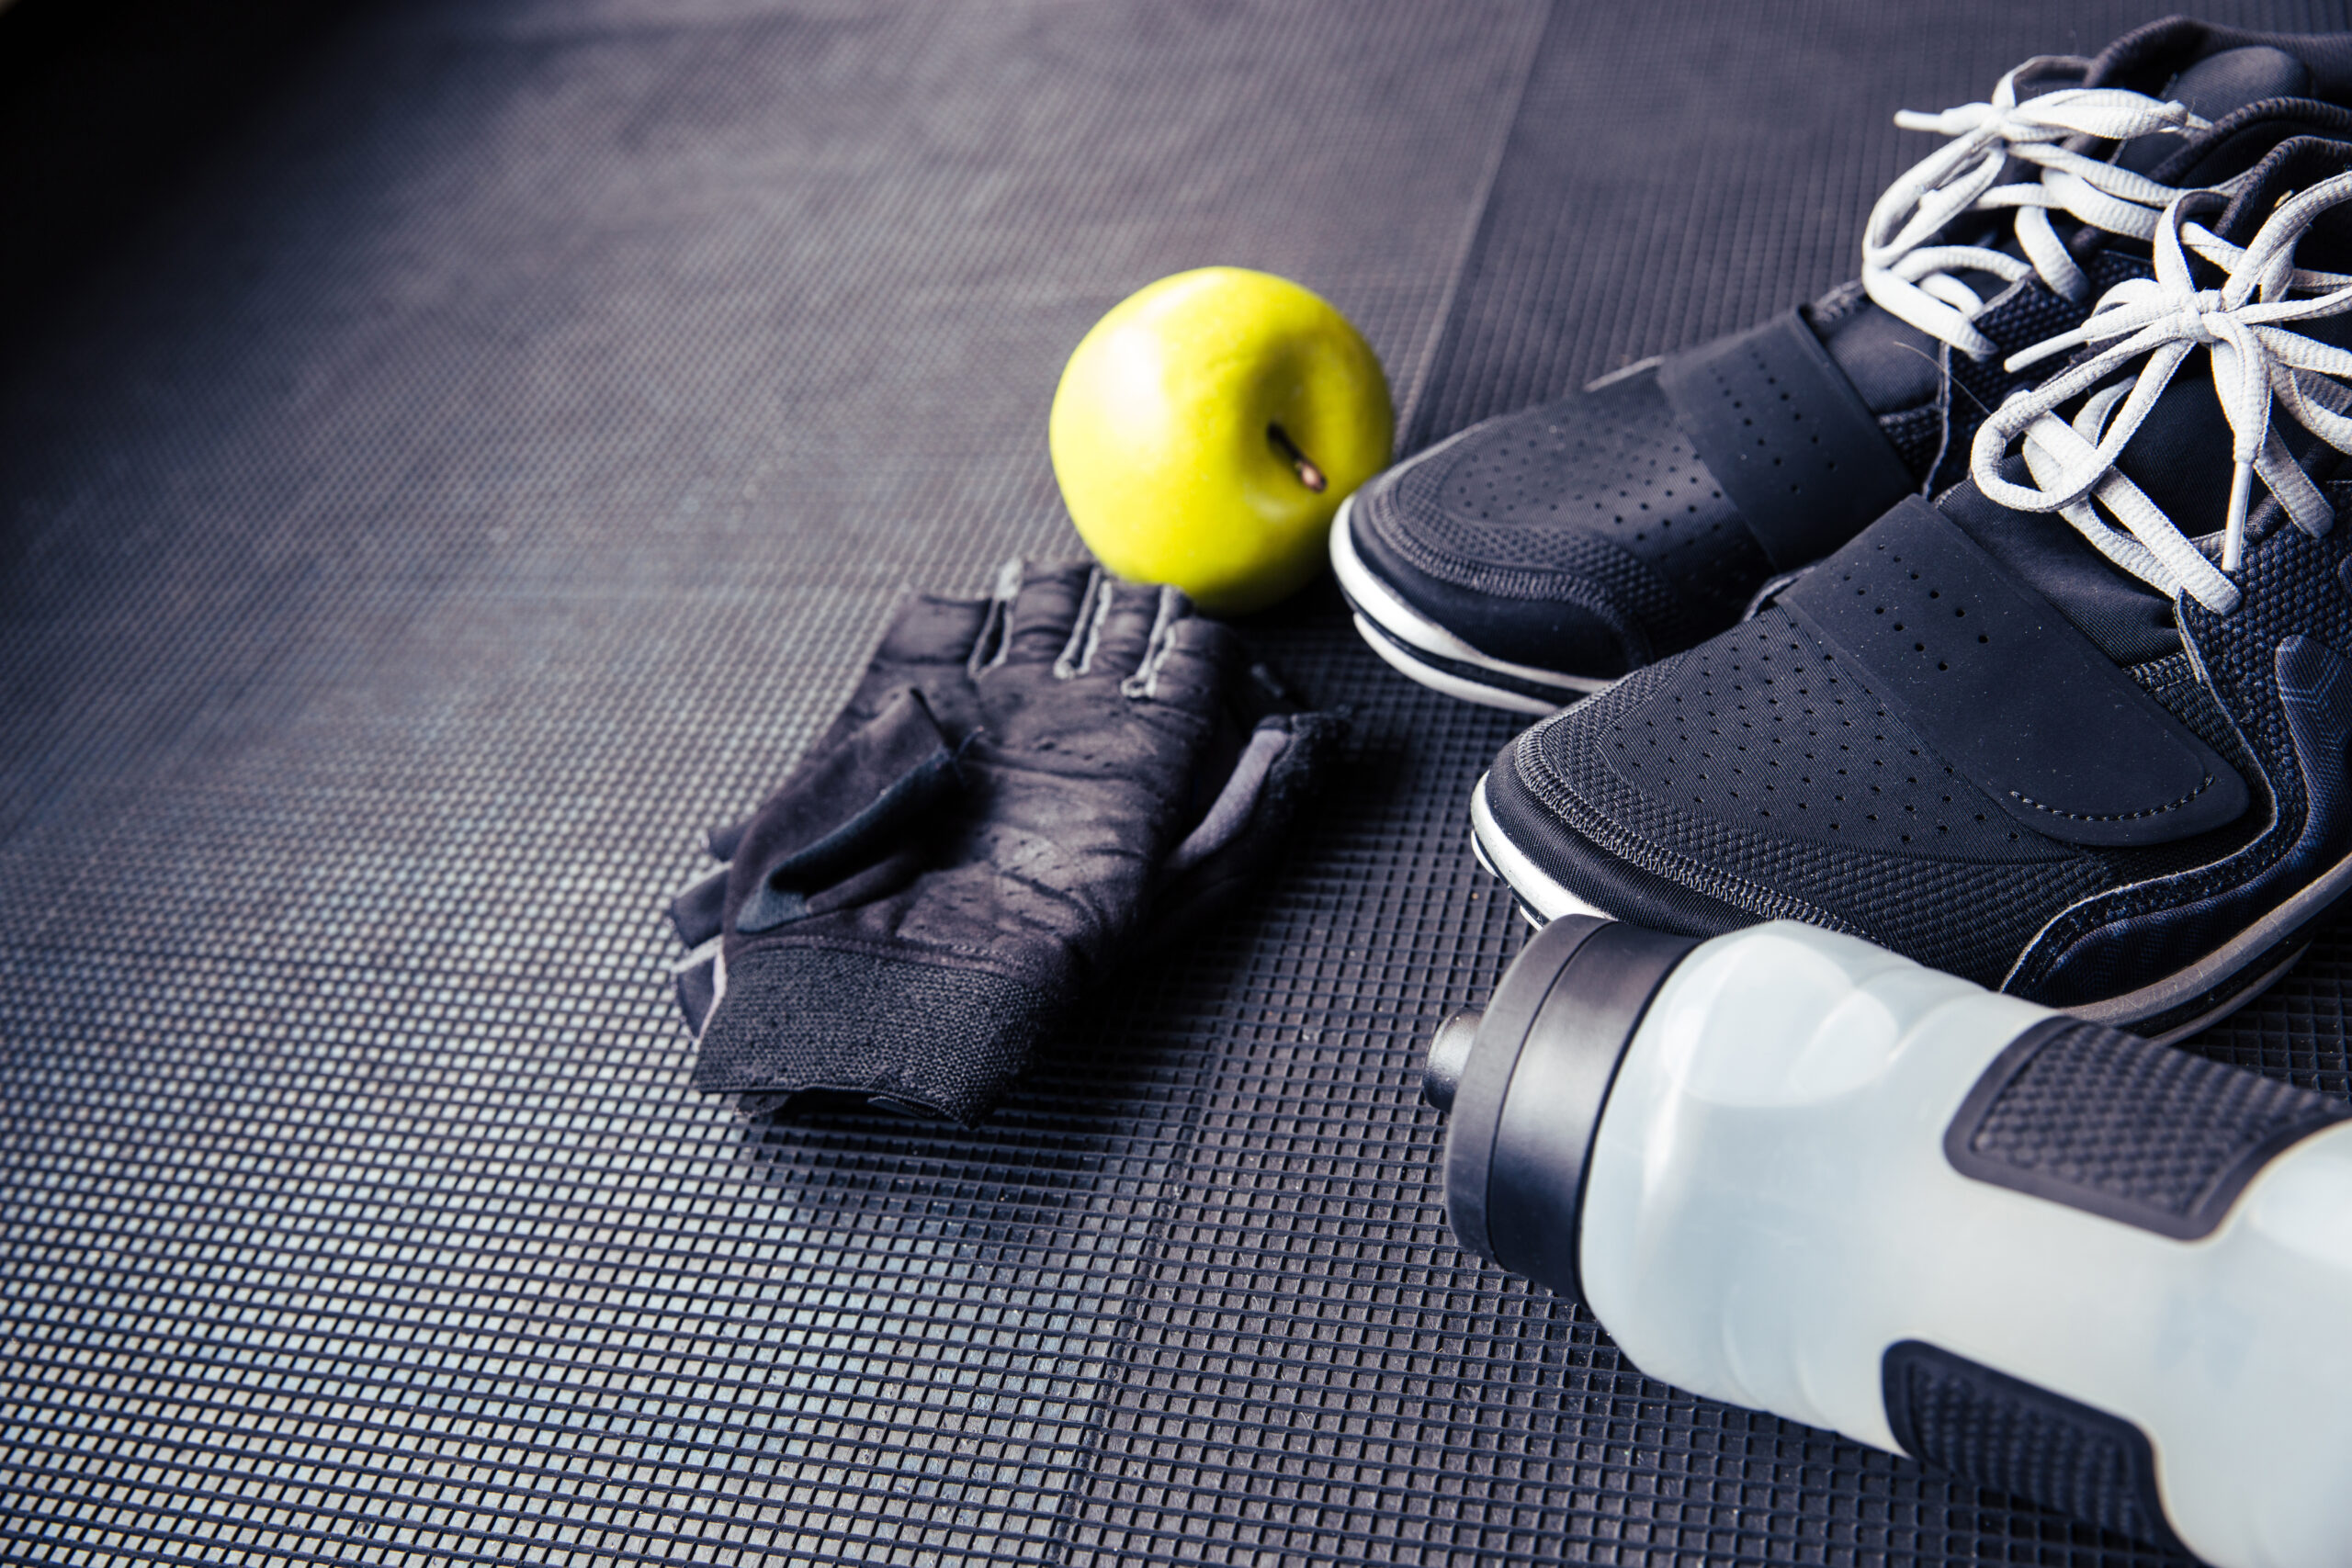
{"x": 2293, "y": 588}
{"x": 1917, "y": 435}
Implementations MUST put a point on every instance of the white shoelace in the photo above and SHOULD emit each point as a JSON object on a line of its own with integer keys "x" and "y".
{"x": 1917, "y": 282}
{"x": 2257, "y": 363}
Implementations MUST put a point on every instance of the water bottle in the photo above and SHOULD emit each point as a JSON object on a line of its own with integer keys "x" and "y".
{"x": 1791, "y": 1170}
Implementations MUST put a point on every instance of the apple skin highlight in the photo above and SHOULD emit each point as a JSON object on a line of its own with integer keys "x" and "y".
{"x": 1177, "y": 431}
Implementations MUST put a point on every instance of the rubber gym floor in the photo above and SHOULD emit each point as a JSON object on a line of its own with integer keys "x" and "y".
{"x": 452, "y": 454}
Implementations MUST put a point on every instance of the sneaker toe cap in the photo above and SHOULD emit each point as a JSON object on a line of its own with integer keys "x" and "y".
{"x": 1583, "y": 536}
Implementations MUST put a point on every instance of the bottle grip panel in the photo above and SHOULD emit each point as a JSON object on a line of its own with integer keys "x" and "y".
{"x": 2001, "y": 1432}
{"x": 2121, "y": 1127}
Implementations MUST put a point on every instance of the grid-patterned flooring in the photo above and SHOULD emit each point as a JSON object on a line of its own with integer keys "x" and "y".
{"x": 482, "y": 464}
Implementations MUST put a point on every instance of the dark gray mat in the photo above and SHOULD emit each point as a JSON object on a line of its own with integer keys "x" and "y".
{"x": 484, "y": 468}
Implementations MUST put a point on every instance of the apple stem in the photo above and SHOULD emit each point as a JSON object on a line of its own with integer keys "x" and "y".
{"x": 1308, "y": 474}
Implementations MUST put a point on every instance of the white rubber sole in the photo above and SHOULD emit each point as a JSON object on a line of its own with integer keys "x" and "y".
{"x": 1420, "y": 648}
{"x": 1543, "y": 899}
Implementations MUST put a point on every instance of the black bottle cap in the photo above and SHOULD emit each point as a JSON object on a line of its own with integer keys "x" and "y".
{"x": 1448, "y": 1054}
{"x": 1528, "y": 1098}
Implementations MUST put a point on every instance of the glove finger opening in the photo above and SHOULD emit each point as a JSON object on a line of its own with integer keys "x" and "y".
{"x": 1190, "y": 662}
{"x": 1128, "y": 620}
{"x": 1038, "y": 622}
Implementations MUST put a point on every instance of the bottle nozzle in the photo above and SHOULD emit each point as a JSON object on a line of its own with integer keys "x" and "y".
{"x": 1449, "y": 1054}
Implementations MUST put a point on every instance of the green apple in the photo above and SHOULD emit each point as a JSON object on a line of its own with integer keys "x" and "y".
{"x": 1208, "y": 427}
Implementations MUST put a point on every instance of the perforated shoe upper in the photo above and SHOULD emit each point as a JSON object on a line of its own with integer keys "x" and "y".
{"x": 1973, "y": 737}
{"x": 1756, "y": 777}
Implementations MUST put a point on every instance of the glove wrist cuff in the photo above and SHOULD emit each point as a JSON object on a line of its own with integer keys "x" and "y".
{"x": 798, "y": 1022}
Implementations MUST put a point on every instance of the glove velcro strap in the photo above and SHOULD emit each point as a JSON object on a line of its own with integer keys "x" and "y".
{"x": 798, "y": 1021}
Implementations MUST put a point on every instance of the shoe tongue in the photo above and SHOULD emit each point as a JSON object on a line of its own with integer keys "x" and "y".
{"x": 2217, "y": 86}
{"x": 2181, "y": 456}
{"x": 2046, "y": 74}
{"x": 2297, "y": 163}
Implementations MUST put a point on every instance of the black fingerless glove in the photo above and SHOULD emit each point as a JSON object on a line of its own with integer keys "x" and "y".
{"x": 1021, "y": 789}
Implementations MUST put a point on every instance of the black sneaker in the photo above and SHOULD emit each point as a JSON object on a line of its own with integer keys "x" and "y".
{"x": 2031, "y": 733}
{"x": 1538, "y": 556}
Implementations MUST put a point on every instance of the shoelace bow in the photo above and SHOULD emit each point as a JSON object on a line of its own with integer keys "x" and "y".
{"x": 1916, "y": 281}
{"x": 2256, "y": 361}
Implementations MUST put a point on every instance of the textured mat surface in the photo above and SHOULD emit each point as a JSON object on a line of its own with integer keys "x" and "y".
{"x": 482, "y": 467}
